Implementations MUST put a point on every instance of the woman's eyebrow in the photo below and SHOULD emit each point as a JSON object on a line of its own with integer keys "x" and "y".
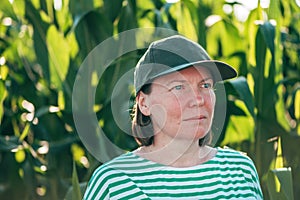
{"x": 175, "y": 81}
{"x": 184, "y": 81}
{"x": 208, "y": 78}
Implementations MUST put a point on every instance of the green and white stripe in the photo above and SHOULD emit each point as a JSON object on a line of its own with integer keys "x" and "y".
{"x": 229, "y": 175}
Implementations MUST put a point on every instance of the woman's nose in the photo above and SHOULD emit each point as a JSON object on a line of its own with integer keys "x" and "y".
{"x": 197, "y": 98}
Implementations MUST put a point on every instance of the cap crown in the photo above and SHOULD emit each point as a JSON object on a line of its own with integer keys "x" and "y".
{"x": 172, "y": 54}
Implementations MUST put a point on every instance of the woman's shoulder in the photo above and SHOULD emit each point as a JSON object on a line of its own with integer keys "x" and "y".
{"x": 229, "y": 155}
{"x": 111, "y": 174}
{"x": 110, "y": 170}
{"x": 229, "y": 152}
{"x": 115, "y": 162}
{"x": 124, "y": 163}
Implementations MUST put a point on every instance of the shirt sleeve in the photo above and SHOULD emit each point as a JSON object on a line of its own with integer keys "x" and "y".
{"x": 255, "y": 179}
{"x": 98, "y": 185}
{"x": 257, "y": 184}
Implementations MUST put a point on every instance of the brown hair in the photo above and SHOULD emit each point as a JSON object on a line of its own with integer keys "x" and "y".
{"x": 142, "y": 128}
{"x": 141, "y": 124}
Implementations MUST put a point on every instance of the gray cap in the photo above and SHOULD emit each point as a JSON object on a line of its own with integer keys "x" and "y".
{"x": 175, "y": 53}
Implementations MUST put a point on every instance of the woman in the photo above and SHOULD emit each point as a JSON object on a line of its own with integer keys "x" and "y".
{"x": 172, "y": 120}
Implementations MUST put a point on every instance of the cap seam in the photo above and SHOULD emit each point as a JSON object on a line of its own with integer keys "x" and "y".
{"x": 152, "y": 57}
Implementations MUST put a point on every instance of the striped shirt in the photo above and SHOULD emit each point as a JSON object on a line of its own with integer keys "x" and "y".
{"x": 229, "y": 175}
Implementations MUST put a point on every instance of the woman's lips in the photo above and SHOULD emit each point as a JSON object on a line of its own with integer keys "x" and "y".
{"x": 196, "y": 118}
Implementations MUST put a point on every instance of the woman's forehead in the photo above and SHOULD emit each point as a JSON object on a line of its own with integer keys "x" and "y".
{"x": 193, "y": 72}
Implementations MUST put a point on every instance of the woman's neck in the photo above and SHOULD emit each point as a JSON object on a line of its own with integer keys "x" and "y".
{"x": 177, "y": 153}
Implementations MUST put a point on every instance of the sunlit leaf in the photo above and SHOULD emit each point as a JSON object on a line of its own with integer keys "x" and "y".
{"x": 250, "y": 33}
{"x": 280, "y": 110}
{"x": 63, "y": 16}
{"x": 220, "y": 42}
{"x": 77, "y": 151}
{"x": 61, "y": 100}
{"x": 20, "y": 155}
{"x": 3, "y": 94}
{"x": 279, "y": 156}
{"x": 264, "y": 86}
{"x": 236, "y": 135}
{"x": 25, "y": 132}
{"x": 241, "y": 87}
{"x": 73, "y": 45}
{"x": 279, "y": 184}
{"x": 44, "y": 47}
{"x": 7, "y": 9}
{"x": 297, "y": 104}
{"x": 270, "y": 73}
{"x": 190, "y": 11}
{"x": 4, "y": 70}
{"x": 184, "y": 20}
{"x": 274, "y": 10}
{"x": 239, "y": 128}
{"x": 59, "y": 57}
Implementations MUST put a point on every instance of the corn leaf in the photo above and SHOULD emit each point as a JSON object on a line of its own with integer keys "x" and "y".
{"x": 7, "y": 9}
{"x": 241, "y": 87}
{"x": 3, "y": 94}
{"x": 75, "y": 183}
{"x": 280, "y": 185}
{"x": 59, "y": 56}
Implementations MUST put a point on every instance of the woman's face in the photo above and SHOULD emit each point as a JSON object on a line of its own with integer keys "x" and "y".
{"x": 181, "y": 104}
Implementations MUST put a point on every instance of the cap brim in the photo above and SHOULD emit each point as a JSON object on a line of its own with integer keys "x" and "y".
{"x": 225, "y": 71}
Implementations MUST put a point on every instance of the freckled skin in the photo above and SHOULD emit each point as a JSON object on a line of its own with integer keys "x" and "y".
{"x": 181, "y": 104}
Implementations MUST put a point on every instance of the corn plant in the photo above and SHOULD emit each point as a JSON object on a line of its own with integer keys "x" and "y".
{"x": 43, "y": 44}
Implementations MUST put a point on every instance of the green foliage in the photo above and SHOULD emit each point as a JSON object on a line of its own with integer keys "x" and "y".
{"x": 43, "y": 44}
{"x": 279, "y": 179}
{"x": 280, "y": 184}
{"x": 75, "y": 192}
{"x": 75, "y": 183}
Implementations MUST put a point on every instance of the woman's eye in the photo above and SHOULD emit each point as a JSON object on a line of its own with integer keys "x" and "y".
{"x": 178, "y": 87}
{"x": 206, "y": 85}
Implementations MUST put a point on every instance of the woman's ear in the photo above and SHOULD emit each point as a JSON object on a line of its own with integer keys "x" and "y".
{"x": 142, "y": 100}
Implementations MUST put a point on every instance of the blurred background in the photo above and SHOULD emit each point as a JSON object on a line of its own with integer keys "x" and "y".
{"x": 44, "y": 42}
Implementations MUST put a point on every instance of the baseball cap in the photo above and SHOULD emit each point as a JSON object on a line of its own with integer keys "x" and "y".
{"x": 176, "y": 53}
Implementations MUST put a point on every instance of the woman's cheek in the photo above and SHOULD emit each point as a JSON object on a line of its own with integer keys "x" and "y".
{"x": 176, "y": 105}
{"x": 158, "y": 114}
{"x": 211, "y": 101}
